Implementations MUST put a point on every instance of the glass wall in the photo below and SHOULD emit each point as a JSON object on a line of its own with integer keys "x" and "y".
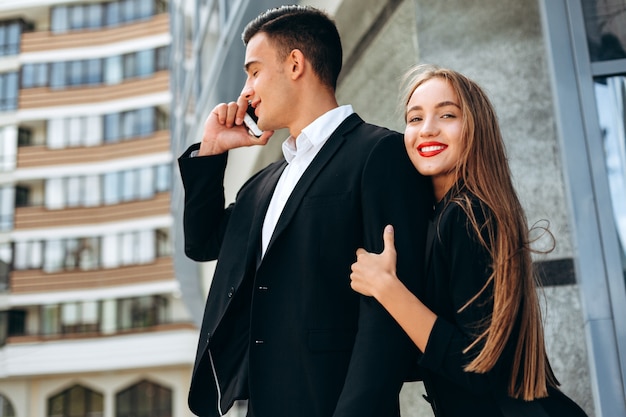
{"x": 605, "y": 23}
{"x": 102, "y": 15}
{"x": 94, "y": 71}
{"x": 133, "y": 247}
{"x": 611, "y": 101}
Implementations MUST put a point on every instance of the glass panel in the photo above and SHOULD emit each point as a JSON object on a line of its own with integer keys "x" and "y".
{"x": 163, "y": 178}
{"x": 112, "y": 14}
{"x": 7, "y": 205}
{"x": 146, "y": 121}
{"x": 76, "y": 72}
{"x": 94, "y": 71}
{"x": 94, "y": 15}
{"x": 94, "y": 131}
{"x": 55, "y": 193}
{"x": 77, "y": 17}
{"x": 605, "y": 21}
{"x": 92, "y": 191}
{"x": 60, "y": 21}
{"x": 113, "y": 74}
{"x": 56, "y": 133}
{"x": 50, "y": 321}
{"x": 57, "y": 74}
{"x": 53, "y": 260}
{"x": 112, "y": 190}
{"x": 8, "y": 148}
{"x": 41, "y": 75}
{"x": 28, "y": 75}
{"x": 110, "y": 251}
{"x": 74, "y": 191}
{"x": 13, "y": 38}
{"x": 145, "y": 63}
{"x": 75, "y": 131}
{"x": 129, "y": 184}
{"x": 611, "y": 101}
{"x": 146, "y": 183}
{"x": 112, "y": 127}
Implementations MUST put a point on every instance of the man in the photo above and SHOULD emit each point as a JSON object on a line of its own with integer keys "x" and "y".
{"x": 282, "y": 327}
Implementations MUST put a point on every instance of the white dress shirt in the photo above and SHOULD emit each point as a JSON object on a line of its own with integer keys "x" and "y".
{"x": 299, "y": 152}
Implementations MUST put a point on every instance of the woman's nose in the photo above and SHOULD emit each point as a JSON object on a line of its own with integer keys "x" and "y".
{"x": 429, "y": 127}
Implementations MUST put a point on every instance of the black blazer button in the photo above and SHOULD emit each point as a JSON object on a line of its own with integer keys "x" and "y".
{"x": 231, "y": 292}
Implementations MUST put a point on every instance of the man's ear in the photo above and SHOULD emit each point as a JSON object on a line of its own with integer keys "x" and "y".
{"x": 296, "y": 61}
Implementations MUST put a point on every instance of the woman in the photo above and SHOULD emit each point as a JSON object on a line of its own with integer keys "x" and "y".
{"x": 475, "y": 316}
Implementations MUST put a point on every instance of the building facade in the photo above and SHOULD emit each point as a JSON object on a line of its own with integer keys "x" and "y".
{"x": 556, "y": 73}
{"x": 91, "y": 318}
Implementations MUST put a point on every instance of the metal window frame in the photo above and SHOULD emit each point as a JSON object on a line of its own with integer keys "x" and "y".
{"x": 598, "y": 263}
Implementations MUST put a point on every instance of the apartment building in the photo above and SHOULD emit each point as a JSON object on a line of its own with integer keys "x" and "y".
{"x": 92, "y": 322}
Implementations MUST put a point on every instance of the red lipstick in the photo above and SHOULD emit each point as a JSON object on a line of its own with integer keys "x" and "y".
{"x": 428, "y": 149}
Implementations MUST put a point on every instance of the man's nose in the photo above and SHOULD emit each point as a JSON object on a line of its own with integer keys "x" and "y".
{"x": 247, "y": 93}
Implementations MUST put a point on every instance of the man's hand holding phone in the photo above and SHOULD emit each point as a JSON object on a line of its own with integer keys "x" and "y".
{"x": 227, "y": 127}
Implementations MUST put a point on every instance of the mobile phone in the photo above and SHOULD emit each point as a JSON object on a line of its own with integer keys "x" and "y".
{"x": 250, "y": 120}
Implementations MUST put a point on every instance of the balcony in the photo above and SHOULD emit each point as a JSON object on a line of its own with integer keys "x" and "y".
{"x": 45, "y": 41}
{"x": 33, "y": 281}
{"x": 44, "y": 97}
{"x": 41, "y": 218}
{"x": 41, "y": 156}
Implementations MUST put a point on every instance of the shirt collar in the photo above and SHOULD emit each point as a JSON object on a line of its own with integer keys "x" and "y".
{"x": 316, "y": 133}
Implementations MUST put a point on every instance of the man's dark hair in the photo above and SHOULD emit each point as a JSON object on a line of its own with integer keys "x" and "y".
{"x": 305, "y": 28}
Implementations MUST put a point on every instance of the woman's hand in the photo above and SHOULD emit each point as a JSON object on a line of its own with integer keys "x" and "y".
{"x": 372, "y": 273}
{"x": 375, "y": 275}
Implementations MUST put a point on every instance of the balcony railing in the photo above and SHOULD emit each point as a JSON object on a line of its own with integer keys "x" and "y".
{"x": 35, "y": 281}
{"x": 45, "y": 41}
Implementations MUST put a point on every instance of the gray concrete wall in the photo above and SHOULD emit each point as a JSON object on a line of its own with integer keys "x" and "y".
{"x": 498, "y": 43}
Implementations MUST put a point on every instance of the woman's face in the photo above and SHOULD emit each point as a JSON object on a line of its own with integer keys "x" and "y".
{"x": 432, "y": 136}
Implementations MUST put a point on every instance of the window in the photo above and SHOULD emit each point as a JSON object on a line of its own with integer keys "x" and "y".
{"x": 80, "y": 317}
{"x": 50, "y": 319}
{"x": 7, "y": 205}
{"x": 611, "y": 101}
{"x": 22, "y": 196}
{"x": 10, "y": 33}
{"x": 88, "y": 253}
{"x": 60, "y": 19}
{"x": 8, "y": 148}
{"x": 58, "y": 75}
{"x": 93, "y": 71}
{"x": 8, "y": 91}
{"x": 163, "y": 177}
{"x": 76, "y": 401}
{"x": 113, "y": 70}
{"x": 141, "y": 312}
{"x": 144, "y": 399}
{"x": 145, "y": 63}
{"x": 6, "y": 254}
{"x": 605, "y": 23}
{"x": 17, "y": 323}
{"x": 28, "y": 255}
{"x": 34, "y": 75}
{"x": 24, "y": 137}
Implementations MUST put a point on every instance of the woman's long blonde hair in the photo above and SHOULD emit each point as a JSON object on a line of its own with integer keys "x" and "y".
{"x": 483, "y": 170}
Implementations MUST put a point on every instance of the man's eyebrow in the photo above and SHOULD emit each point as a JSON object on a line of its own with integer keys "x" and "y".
{"x": 247, "y": 66}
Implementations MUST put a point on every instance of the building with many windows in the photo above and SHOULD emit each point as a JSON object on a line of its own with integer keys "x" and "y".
{"x": 91, "y": 318}
{"x": 556, "y": 73}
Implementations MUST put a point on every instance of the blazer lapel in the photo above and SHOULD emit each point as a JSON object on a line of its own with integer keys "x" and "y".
{"x": 332, "y": 145}
{"x": 260, "y": 209}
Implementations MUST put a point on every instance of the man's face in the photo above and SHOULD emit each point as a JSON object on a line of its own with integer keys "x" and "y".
{"x": 268, "y": 86}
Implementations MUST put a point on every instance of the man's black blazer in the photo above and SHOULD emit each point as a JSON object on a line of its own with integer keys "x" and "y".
{"x": 288, "y": 331}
